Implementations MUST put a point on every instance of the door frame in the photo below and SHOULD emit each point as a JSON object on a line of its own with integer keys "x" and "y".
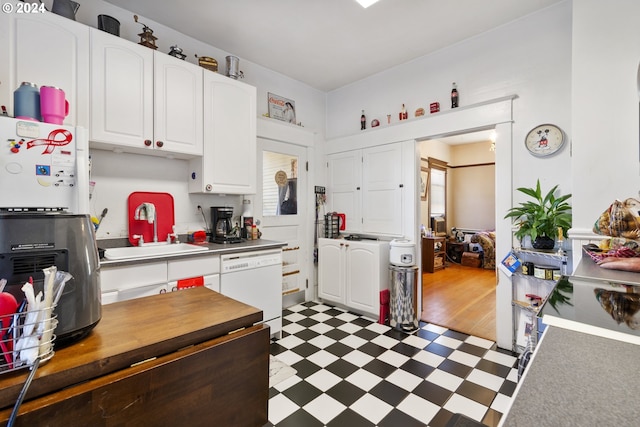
{"x": 274, "y": 130}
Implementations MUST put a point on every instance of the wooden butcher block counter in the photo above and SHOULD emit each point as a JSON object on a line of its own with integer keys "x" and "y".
{"x": 191, "y": 357}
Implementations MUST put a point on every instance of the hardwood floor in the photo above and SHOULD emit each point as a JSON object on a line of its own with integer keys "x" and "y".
{"x": 461, "y": 298}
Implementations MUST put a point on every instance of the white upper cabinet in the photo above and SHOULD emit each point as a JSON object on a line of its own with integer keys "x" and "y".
{"x": 48, "y": 50}
{"x": 345, "y": 186}
{"x": 178, "y": 104}
{"x": 228, "y": 164}
{"x": 382, "y": 189}
{"x": 367, "y": 186}
{"x": 143, "y": 101}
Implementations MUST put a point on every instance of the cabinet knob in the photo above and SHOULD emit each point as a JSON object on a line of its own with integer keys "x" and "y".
{"x": 357, "y": 188}
{"x": 401, "y": 185}
{"x": 147, "y": 142}
{"x": 159, "y": 144}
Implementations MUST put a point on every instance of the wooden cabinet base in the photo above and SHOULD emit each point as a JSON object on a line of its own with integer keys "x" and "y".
{"x": 220, "y": 382}
{"x": 187, "y": 358}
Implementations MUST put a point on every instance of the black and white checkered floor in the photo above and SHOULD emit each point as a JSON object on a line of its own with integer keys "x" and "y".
{"x": 352, "y": 371}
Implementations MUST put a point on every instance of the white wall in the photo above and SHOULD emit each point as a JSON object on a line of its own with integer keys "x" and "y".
{"x": 606, "y": 52}
{"x": 118, "y": 175}
{"x": 530, "y": 58}
{"x": 472, "y": 197}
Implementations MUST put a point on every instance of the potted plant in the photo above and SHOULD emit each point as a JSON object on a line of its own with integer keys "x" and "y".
{"x": 543, "y": 218}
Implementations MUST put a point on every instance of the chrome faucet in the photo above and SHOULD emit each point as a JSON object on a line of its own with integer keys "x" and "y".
{"x": 148, "y": 211}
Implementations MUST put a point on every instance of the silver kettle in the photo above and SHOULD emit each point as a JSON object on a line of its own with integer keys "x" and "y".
{"x": 66, "y": 8}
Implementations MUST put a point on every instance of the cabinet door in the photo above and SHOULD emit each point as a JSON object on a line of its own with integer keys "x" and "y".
{"x": 345, "y": 170}
{"x": 331, "y": 257}
{"x": 382, "y": 189}
{"x": 143, "y": 291}
{"x": 362, "y": 276}
{"x": 47, "y": 50}
{"x": 228, "y": 165}
{"x": 178, "y": 105}
{"x": 121, "y": 92}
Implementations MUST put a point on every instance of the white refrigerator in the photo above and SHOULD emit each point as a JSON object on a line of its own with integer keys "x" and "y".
{"x": 43, "y": 167}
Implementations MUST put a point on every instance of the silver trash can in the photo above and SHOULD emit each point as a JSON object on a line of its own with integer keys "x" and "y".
{"x": 403, "y": 306}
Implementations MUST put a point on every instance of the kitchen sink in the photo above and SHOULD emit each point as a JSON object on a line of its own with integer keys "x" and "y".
{"x": 130, "y": 252}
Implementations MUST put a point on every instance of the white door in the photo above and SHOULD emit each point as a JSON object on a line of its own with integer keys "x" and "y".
{"x": 121, "y": 91}
{"x": 281, "y": 207}
{"x": 331, "y": 270}
{"x": 382, "y": 189}
{"x": 178, "y": 105}
{"x": 345, "y": 183}
{"x": 46, "y": 49}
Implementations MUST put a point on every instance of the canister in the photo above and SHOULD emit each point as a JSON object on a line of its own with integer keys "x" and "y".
{"x": 26, "y": 102}
{"x": 527, "y": 268}
{"x": 402, "y": 252}
{"x": 545, "y": 272}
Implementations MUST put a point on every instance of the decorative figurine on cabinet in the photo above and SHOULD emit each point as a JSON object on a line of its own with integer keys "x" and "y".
{"x": 208, "y": 63}
{"x": 146, "y": 36}
{"x": 403, "y": 115}
{"x": 177, "y": 52}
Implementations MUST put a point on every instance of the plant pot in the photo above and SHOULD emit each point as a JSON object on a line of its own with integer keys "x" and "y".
{"x": 543, "y": 242}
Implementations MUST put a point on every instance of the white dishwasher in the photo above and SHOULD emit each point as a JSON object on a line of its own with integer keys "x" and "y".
{"x": 255, "y": 278}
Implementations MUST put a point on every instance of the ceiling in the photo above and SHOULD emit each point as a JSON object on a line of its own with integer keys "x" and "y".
{"x": 328, "y": 44}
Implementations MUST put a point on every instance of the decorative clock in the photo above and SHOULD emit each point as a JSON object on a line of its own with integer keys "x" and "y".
{"x": 544, "y": 140}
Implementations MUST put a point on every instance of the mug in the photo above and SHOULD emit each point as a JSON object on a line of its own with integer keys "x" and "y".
{"x": 26, "y": 102}
{"x": 53, "y": 105}
{"x": 343, "y": 221}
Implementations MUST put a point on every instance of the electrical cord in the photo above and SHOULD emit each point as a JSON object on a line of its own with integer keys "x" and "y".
{"x": 23, "y": 392}
{"x": 206, "y": 225}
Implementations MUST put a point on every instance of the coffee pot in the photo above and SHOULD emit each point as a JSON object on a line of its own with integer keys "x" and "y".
{"x": 221, "y": 223}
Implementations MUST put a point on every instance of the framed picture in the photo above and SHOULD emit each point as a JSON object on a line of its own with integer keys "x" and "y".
{"x": 424, "y": 177}
{"x": 281, "y": 108}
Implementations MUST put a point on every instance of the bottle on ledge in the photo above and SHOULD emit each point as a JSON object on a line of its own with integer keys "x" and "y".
{"x": 363, "y": 121}
{"x": 454, "y": 96}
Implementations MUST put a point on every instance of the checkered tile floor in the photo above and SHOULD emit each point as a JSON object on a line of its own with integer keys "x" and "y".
{"x": 352, "y": 371}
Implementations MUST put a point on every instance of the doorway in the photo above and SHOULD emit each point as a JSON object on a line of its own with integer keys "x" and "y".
{"x": 281, "y": 203}
{"x": 461, "y": 297}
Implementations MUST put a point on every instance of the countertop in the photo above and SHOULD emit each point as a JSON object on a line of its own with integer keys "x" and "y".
{"x": 578, "y": 379}
{"x": 213, "y": 249}
{"x": 583, "y": 371}
{"x": 134, "y": 331}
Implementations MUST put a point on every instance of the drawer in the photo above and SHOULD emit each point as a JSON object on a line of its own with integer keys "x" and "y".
{"x": 192, "y": 267}
{"x": 119, "y": 278}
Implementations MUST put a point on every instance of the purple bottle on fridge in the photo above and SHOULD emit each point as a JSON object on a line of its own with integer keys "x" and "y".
{"x": 26, "y": 102}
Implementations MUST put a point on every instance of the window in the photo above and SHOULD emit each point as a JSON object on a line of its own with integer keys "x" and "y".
{"x": 279, "y": 184}
{"x": 437, "y": 188}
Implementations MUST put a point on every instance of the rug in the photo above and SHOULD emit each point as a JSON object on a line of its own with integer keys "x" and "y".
{"x": 279, "y": 371}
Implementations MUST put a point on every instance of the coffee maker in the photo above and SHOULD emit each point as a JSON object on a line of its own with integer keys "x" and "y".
{"x": 222, "y": 227}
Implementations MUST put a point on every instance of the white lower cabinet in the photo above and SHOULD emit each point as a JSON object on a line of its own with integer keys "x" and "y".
{"x": 352, "y": 273}
{"x": 125, "y": 282}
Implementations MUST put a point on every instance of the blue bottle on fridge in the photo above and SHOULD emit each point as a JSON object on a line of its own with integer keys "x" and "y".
{"x": 26, "y": 102}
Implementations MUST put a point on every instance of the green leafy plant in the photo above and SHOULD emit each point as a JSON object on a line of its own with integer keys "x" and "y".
{"x": 543, "y": 216}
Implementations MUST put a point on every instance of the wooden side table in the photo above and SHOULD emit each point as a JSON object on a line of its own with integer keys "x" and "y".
{"x": 455, "y": 250}
{"x": 434, "y": 251}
